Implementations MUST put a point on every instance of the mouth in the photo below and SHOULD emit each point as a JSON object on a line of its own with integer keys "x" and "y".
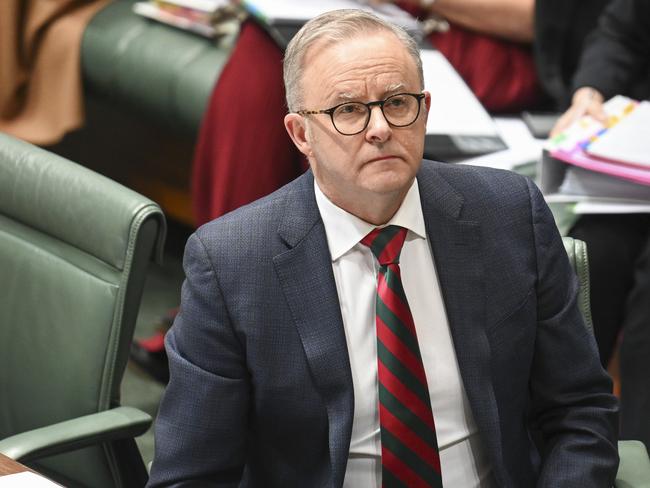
{"x": 382, "y": 158}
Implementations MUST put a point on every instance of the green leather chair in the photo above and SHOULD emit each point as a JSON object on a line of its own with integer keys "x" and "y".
{"x": 634, "y": 469}
{"x": 74, "y": 248}
{"x": 151, "y": 68}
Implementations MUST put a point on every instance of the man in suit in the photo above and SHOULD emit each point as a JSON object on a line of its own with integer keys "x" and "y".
{"x": 381, "y": 321}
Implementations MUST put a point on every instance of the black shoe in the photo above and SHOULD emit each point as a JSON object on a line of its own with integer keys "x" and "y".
{"x": 153, "y": 364}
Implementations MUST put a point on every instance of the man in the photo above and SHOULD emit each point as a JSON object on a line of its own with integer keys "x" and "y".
{"x": 488, "y": 43}
{"x": 300, "y": 356}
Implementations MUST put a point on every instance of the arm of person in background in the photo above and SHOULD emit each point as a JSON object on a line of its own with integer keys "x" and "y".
{"x": 614, "y": 58}
{"x": 511, "y": 20}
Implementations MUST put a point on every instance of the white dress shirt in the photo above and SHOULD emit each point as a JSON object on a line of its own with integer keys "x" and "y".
{"x": 463, "y": 459}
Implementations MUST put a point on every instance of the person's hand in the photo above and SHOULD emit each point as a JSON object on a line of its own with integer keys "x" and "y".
{"x": 585, "y": 101}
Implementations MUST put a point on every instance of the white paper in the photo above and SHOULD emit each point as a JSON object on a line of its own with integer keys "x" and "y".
{"x": 628, "y": 140}
{"x": 591, "y": 205}
{"x": 598, "y": 207}
{"x": 26, "y": 479}
{"x": 455, "y": 110}
{"x": 584, "y": 204}
{"x": 580, "y": 181}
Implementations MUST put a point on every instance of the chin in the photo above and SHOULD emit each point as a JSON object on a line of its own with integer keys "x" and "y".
{"x": 389, "y": 182}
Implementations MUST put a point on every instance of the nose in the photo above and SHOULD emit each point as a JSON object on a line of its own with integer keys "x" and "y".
{"x": 378, "y": 130}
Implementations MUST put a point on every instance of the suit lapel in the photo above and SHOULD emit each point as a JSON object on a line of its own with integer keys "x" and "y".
{"x": 307, "y": 281}
{"x": 457, "y": 251}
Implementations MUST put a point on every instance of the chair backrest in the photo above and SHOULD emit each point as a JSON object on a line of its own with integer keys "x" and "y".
{"x": 577, "y": 252}
{"x": 74, "y": 248}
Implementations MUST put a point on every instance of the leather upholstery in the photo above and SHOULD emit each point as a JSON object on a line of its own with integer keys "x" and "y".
{"x": 577, "y": 252}
{"x": 74, "y": 247}
{"x": 158, "y": 70}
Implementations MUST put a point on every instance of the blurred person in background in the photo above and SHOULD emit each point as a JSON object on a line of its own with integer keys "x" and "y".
{"x": 616, "y": 61}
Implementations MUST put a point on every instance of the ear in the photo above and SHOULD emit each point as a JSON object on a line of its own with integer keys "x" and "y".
{"x": 297, "y": 130}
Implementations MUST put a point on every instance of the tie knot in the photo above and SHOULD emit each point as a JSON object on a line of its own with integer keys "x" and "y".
{"x": 386, "y": 243}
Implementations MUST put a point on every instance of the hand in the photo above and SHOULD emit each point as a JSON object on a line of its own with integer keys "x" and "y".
{"x": 585, "y": 101}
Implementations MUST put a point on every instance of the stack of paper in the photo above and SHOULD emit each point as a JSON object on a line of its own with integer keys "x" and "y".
{"x": 198, "y": 16}
{"x": 618, "y": 148}
{"x": 628, "y": 141}
{"x": 603, "y": 167}
{"x": 582, "y": 182}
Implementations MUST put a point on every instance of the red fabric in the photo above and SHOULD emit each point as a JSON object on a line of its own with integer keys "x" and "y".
{"x": 154, "y": 343}
{"x": 500, "y": 73}
{"x": 243, "y": 150}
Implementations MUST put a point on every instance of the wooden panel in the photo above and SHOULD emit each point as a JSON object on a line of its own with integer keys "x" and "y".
{"x": 9, "y": 466}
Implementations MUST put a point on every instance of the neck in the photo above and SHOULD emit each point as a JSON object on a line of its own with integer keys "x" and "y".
{"x": 376, "y": 209}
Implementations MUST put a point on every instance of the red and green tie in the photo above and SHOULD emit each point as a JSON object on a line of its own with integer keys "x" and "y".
{"x": 409, "y": 450}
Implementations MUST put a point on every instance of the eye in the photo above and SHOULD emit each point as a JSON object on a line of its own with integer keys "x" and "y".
{"x": 396, "y": 101}
{"x": 351, "y": 109}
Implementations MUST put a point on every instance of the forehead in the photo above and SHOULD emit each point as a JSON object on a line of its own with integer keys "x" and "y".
{"x": 367, "y": 65}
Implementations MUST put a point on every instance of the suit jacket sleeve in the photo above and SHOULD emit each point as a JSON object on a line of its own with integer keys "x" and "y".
{"x": 571, "y": 401}
{"x": 616, "y": 55}
{"x": 202, "y": 422}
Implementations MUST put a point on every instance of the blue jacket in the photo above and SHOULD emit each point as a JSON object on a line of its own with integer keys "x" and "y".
{"x": 261, "y": 390}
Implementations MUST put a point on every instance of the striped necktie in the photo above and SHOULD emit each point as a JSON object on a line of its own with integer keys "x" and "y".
{"x": 409, "y": 450}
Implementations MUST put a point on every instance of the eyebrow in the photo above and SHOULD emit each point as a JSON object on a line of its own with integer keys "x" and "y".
{"x": 350, "y": 96}
{"x": 394, "y": 87}
{"x": 346, "y": 96}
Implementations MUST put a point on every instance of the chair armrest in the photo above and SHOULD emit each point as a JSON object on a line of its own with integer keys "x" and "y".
{"x": 69, "y": 435}
{"x": 634, "y": 469}
{"x": 577, "y": 252}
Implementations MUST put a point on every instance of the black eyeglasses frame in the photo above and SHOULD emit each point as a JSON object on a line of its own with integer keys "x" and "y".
{"x": 379, "y": 103}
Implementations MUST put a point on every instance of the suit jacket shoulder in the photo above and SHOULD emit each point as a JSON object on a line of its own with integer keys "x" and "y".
{"x": 268, "y": 225}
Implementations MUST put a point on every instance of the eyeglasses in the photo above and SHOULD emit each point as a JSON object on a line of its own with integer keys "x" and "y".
{"x": 351, "y": 118}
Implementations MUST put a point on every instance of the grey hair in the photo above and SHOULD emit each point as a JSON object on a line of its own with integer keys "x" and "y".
{"x": 331, "y": 27}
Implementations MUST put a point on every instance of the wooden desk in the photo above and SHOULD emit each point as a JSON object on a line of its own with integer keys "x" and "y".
{"x": 9, "y": 466}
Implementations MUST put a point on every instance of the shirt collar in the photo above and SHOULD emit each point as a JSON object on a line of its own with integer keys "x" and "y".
{"x": 345, "y": 230}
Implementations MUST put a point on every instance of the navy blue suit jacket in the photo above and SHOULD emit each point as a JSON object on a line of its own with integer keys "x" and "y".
{"x": 261, "y": 390}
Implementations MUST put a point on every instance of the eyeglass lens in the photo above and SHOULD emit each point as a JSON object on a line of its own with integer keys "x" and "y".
{"x": 400, "y": 110}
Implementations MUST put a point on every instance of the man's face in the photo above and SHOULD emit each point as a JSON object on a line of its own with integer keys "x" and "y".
{"x": 381, "y": 160}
